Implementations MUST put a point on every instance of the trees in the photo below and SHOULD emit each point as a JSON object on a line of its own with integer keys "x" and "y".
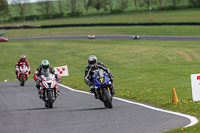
{"x": 4, "y": 12}
{"x": 135, "y": 3}
{"x": 174, "y": 2}
{"x": 160, "y": 3}
{"x": 21, "y": 6}
{"x": 99, "y": 4}
{"x": 195, "y": 2}
{"x": 123, "y": 4}
{"x": 46, "y": 7}
{"x": 73, "y": 5}
{"x": 110, "y": 3}
{"x": 86, "y": 4}
{"x": 60, "y": 6}
{"x": 149, "y": 2}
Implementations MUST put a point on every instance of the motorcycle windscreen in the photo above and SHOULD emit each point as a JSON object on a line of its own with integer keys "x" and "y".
{"x": 23, "y": 66}
{"x": 47, "y": 74}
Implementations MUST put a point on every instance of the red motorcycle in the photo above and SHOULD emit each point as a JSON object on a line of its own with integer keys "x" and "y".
{"x": 23, "y": 74}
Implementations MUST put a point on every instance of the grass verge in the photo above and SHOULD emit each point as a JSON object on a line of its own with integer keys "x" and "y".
{"x": 110, "y": 30}
{"x": 145, "y": 71}
{"x": 187, "y": 15}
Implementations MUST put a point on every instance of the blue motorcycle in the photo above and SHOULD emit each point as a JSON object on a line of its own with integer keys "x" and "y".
{"x": 102, "y": 87}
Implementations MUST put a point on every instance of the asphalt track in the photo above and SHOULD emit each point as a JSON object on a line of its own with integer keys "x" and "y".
{"x": 122, "y": 37}
{"x": 21, "y": 111}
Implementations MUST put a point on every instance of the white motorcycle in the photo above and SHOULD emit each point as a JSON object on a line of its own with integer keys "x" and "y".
{"x": 49, "y": 85}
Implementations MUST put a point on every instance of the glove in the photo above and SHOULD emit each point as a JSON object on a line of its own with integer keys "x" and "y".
{"x": 86, "y": 81}
{"x": 38, "y": 80}
{"x": 111, "y": 76}
{"x": 90, "y": 84}
{"x": 59, "y": 80}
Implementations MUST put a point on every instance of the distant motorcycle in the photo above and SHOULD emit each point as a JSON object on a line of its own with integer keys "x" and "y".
{"x": 23, "y": 73}
{"x": 102, "y": 87}
{"x": 49, "y": 84}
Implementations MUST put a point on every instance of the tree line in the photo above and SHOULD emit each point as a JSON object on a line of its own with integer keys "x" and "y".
{"x": 48, "y": 8}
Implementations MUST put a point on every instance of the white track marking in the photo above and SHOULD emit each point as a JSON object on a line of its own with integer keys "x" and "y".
{"x": 193, "y": 120}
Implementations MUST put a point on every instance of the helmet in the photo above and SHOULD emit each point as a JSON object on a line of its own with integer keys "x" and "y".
{"x": 45, "y": 64}
{"x": 23, "y": 57}
{"x": 92, "y": 60}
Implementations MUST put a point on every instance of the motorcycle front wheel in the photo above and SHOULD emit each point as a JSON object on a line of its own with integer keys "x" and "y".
{"x": 108, "y": 101}
{"x": 50, "y": 99}
{"x": 22, "y": 82}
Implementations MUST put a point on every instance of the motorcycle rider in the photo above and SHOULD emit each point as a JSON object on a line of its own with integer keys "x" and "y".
{"x": 20, "y": 62}
{"x": 93, "y": 65}
{"x": 44, "y": 67}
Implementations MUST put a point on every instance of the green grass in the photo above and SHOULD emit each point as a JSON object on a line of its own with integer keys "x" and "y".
{"x": 145, "y": 71}
{"x": 189, "y": 15}
{"x": 110, "y": 30}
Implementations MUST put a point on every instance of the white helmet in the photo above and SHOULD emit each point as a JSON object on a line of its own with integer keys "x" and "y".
{"x": 45, "y": 64}
{"x": 92, "y": 60}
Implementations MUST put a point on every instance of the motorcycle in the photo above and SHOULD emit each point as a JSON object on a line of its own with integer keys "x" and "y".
{"x": 23, "y": 73}
{"x": 102, "y": 87}
{"x": 49, "y": 86}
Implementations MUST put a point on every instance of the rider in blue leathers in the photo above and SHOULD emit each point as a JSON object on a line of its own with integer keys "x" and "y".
{"x": 89, "y": 71}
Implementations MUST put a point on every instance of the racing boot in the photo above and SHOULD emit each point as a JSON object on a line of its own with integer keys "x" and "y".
{"x": 41, "y": 93}
{"x": 95, "y": 94}
{"x": 57, "y": 91}
{"x": 38, "y": 87}
{"x": 92, "y": 90}
{"x": 16, "y": 74}
{"x": 112, "y": 91}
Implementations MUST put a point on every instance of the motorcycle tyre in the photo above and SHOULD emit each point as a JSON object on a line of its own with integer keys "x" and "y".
{"x": 22, "y": 82}
{"x": 105, "y": 105}
{"x": 108, "y": 101}
{"x": 50, "y": 99}
{"x": 46, "y": 105}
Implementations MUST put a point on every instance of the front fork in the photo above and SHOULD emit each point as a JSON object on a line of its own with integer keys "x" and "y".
{"x": 45, "y": 92}
{"x": 100, "y": 93}
{"x": 53, "y": 92}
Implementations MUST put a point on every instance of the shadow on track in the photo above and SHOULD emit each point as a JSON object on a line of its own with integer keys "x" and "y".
{"x": 87, "y": 109}
{"x": 30, "y": 109}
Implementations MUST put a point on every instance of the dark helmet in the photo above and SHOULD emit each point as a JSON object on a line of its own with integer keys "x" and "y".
{"x": 23, "y": 57}
{"x": 45, "y": 64}
{"x": 92, "y": 60}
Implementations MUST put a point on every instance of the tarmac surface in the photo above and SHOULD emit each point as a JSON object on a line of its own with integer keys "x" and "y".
{"x": 21, "y": 111}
